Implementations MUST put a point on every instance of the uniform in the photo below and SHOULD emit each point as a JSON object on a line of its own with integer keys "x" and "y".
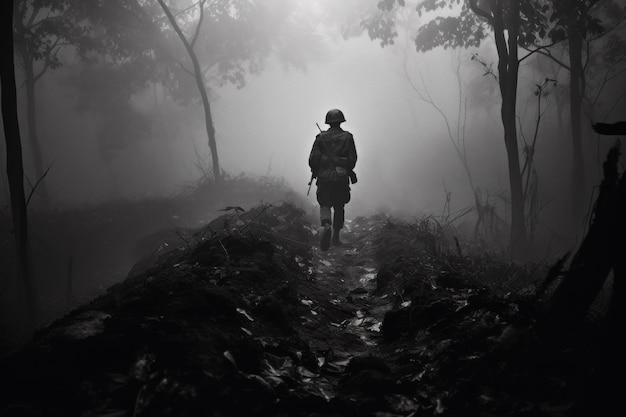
{"x": 332, "y": 161}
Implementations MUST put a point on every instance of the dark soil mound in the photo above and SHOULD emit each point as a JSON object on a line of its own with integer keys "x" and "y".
{"x": 247, "y": 317}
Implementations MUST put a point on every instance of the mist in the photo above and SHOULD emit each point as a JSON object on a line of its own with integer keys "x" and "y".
{"x": 406, "y": 160}
{"x": 106, "y": 144}
{"x": 268, "y": 127}
{"x": 164, "y": 251}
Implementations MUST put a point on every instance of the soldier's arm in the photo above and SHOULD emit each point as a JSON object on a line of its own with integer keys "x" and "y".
{"x": 351, "y": 153}
{"x": 315, "y": 157}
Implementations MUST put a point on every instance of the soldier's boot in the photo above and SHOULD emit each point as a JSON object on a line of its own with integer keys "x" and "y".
{"x": 325, "y": 243}
{"x": 336, "y": 240}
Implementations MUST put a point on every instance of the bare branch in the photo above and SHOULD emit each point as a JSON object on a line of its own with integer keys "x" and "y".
{"x": 31, "y": 19}
{"x": 488, "y": 69}
{"x": 587, "y": 55}
{"x": 538, "y": 49}
{"x": 615, "y": 103}
{"x": 199, "y": 25}
{"x": 34, "y": 187}
{"x": 617, "y": 74}
{"x": 547, "y": 54}
{"x": 185, "y": 69}
{"x": 186, "y": 9}
{"x": 458, "y": 143}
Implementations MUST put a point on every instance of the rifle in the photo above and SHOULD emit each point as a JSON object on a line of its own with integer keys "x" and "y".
{"x": 312, "y": 174}
{"x": 310, "y": 182}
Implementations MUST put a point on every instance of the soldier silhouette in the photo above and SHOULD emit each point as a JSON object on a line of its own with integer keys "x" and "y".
{"x": 332, "y": 160}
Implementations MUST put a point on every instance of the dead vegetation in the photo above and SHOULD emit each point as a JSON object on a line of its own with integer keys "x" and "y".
{"x": 245, "y": 316}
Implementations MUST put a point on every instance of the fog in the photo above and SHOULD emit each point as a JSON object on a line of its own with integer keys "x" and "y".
{"x": 268, "y": 127}
{"x": 407, "y": 162}
{"x": 427, "y": 128}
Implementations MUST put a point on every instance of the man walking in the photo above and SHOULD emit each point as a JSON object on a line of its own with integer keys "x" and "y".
{"x": 332, "y": 161}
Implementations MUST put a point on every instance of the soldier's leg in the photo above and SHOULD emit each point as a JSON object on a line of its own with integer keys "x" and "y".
{"x": 338, "y": 220}
{"x": 325, "y": 216}
{"x": 324, "y": 199}
{"x": 340, "y": 197}
{"x": 338, "y": 216}
{"x": 326, "y": 224}
{"x": 325, "y": 202}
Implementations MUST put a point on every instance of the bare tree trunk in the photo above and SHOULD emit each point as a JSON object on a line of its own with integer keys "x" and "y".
{"x": 602, "y": 250}
{"x": 576, "y": 93}
{"x": 210, "y": 129}
{"x": 519, "y": 242}
{"x": 15, "y": 169}
{"x": 508, "y": 66}
{"x": 33, "y": 136}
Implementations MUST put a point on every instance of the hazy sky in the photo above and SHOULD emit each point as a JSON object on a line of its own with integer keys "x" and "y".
{"x": 267, "y": 125}
{"x": 405, "y": 156}
{"x": 406, "y": 160}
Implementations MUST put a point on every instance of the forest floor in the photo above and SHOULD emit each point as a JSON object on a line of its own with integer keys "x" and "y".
{"x": 245, "y": 316}
{"x": 79, "y": 252}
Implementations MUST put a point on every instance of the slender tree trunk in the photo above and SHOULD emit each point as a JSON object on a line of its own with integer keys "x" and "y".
{"x": 210, "y": 129}
{"x": 508, "y": 66}
{"x": 208, "y": 120}
{"x": 33, "y": 136}
{"x": 576, "y": 92}
{"x": 519, "y": 242}
{"x": 602, "y": 249}
{"x": 15, "y": 169}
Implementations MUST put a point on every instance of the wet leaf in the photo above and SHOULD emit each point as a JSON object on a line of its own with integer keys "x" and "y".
{"x": 230, "y": 357}
{"x": 375, "y": 327}
{"x": 274, "y": 381}
{"x": 143, "y": 367}
{"x": 244, "y": 313}
{"x": 305, "y": 372}
{"x": 440, "y": 409}
{"x": 401, "y": 404}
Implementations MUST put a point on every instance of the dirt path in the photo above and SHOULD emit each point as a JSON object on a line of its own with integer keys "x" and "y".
{"x": 346, "y": 313}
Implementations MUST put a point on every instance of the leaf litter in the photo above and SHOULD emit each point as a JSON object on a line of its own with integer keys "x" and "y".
{"x": 250, "y": 318}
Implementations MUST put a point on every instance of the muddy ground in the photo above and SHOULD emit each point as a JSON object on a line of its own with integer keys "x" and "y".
{"x": 245, "y": 316}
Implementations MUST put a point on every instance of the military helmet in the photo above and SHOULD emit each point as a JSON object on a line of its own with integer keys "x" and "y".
{"x": 334, "y": 116}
